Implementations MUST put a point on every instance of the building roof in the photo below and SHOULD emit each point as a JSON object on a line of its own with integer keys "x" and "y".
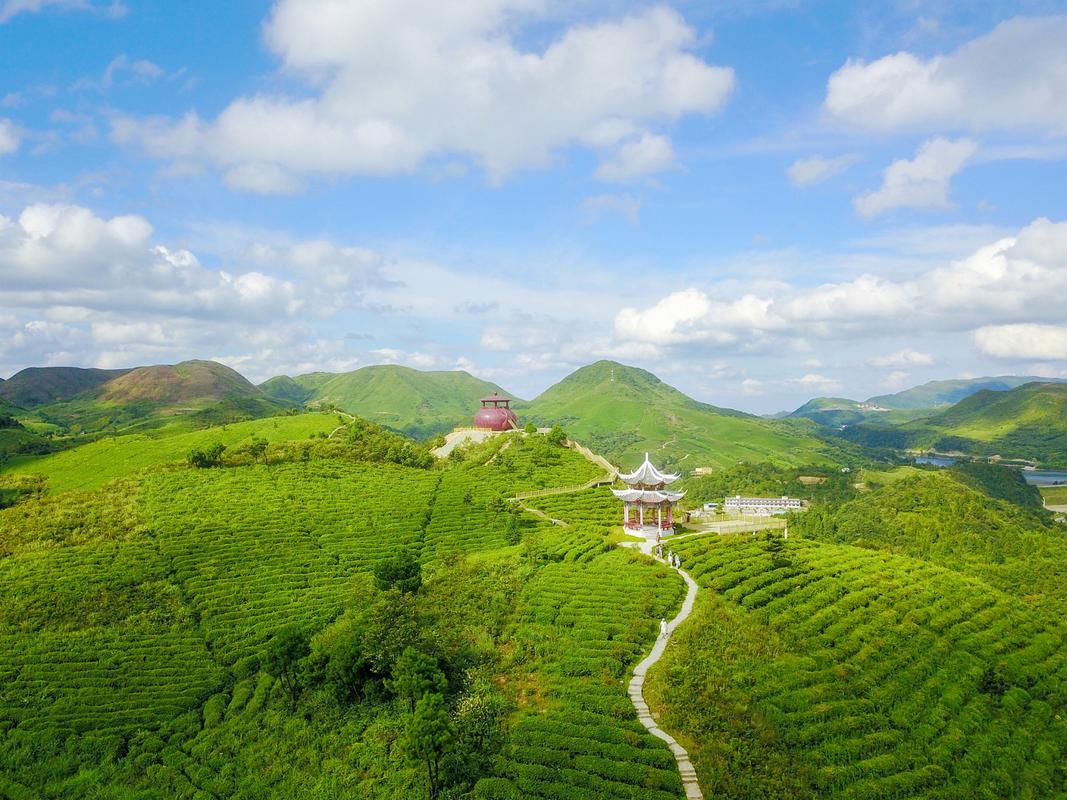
{"x": 647, "y": 475}
{"x": 495, "y": 398}
{"x": 647, "y": 495}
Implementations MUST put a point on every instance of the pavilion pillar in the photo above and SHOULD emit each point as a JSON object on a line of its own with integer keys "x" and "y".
{"x": 659, "y": 517}
{"x": 626, "y": 513}
{"x": 641, "y": 512}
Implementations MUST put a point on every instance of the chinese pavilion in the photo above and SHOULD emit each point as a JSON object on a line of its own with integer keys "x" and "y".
{"x": 646, "y": 489}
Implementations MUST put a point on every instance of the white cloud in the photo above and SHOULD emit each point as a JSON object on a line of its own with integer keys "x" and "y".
{"x": 1020, "y": 279}
{"x": 12, "y": 8}
{"x": 1023, "y": 341}
{"x": 395, "y": 83}
{"x": 815, "y": 169}
{"x": 814, "y": 382}
{"x": 921, "y": 183}
{"x": 903, "y": 358}
{"x": 9, "y": 137}
{"x": 64, "y": 255}
{"x": 1009, "y": 79}
{"x": 123, "y": 71}
{"x": 636, "y": 158}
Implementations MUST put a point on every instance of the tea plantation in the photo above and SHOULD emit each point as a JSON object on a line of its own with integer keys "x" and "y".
{"x": 824, "y": 670}
{"x": 346, "y": 617}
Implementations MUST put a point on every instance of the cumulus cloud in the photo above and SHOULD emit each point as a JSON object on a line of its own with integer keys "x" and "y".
{"x": 66, "y": 256}
{"x": 816, "y": 169}
{"x": 921, "y": 183}
{"x": 1023, "y": 341}
{"x": 392, "y": 84}
{"x": 634, "y": 159}
{"x": 1008, "y": 79}
{"x": 903, "y": 358}
{"x": 9, "y": 137}
{"x": 1019, "y": 279}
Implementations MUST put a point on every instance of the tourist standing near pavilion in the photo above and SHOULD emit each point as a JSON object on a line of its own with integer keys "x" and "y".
{"x": 647, "y": 491}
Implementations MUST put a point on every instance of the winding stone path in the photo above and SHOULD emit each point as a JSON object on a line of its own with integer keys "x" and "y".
{"x": 637, "y": 682}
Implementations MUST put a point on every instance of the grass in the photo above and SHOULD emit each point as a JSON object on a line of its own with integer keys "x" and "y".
{"x": 823, "y": 670}
{"x": 1054, "y": 495}
{"x": 132, "y": 620}
{"x": 91, "y": 465}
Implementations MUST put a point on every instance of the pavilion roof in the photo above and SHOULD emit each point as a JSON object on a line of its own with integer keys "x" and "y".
{"x": 647, "y": 495}
{"x": 647, "y": 475}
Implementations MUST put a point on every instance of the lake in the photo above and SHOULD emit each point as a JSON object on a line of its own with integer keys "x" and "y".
{"x": 1037, "y": 477}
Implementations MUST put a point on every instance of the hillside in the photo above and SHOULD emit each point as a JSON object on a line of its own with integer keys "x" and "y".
{"x": 180, "y": 586}
{"x": 945, "y": 393}
{"x": 37, "y": 386}
{"x": 623, "y": 412}
{"x": 1026, "y": 422}
{"x": 939, "y": 516}
{"x": 415, "y": 402}
{"x": 191, "y": 393}
{"x": 92, "y": 464}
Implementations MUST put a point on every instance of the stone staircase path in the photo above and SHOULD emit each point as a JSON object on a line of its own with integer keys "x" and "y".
{"x": 637, "y": 682}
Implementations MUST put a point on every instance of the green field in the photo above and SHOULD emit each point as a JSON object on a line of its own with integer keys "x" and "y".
{"x": 1055, "y": 495}
{"x": 906, "y": 641}
{"x": 91, "y": 465}
{"x": 172, "y": 583}
{"x": 823, "y": 670}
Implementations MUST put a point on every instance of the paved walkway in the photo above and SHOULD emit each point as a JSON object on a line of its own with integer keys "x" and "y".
{"x": 637, "y": 682}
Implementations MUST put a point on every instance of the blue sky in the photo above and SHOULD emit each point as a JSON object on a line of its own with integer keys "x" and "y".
{"x": 760, "y": 202}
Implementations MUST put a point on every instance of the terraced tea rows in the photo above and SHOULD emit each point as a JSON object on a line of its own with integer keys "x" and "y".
{"x": 258, "y": 548}
{"x": 589, "y": 505}
{"x": 898, "y": 678}
{"x": 583, "y": 626}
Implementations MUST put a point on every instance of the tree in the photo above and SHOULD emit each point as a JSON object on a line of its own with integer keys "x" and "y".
{"x": 203, "y": 458}
{"x": 403, "y": 572}
{"x": 429, "y": 735}
{"x": 283, "y": 656}
{"x": 556, "y": 435}
{"x": 530, "y": 428}
{"x": 414, "y": 674}
{"x": 258, "y": 448}
{"x": 512, "y": 529}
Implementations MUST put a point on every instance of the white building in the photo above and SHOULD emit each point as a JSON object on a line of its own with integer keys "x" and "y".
{"x": 761, "y": 506}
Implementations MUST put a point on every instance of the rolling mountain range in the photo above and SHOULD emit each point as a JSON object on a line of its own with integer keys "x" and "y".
{"x": 87, "y": 401}
{"x": 1028, "y": 422}
{"x": 620, "y": 411}
{"x": 906, "y": 405}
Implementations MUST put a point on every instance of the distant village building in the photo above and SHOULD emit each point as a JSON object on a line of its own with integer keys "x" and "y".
{"x": 647, "y": 505}
{"x": 761, "y": 506}
{"x": 496, "y": 414}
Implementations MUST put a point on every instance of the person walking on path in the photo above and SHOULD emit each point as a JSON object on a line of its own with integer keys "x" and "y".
{"x": 663, "y": 627}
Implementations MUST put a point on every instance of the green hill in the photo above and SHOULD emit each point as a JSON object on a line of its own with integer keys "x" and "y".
{"x": 622, "y": 412}
{"x": 192, "y": 394}
{"x": 415, "y": 402}
{"x": 1028, "y": 422}
{"x": 945, "y": 393}
{"x": 37, "y": 386}
{"x": 941, "y": 517}
{"x": 94, "y": 463}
